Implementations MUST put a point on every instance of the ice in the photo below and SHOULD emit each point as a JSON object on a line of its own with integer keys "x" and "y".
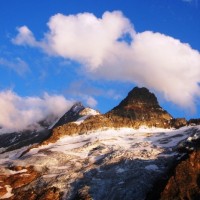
{"x": 145, "y": 143}
{"x": 152, "y": 167}
{"x": 120, "y": 170}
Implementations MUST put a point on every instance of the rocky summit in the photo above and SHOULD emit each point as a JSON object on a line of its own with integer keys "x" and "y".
{"x": 135, "y": 151}
{"x": 142, "y": 108}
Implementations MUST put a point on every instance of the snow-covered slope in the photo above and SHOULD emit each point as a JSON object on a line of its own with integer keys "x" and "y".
{"x": 88, "y": 155}
{"x": 84, "y": 114}
{"x": 105, "y": 164}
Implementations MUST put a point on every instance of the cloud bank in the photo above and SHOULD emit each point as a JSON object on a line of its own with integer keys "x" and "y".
{"x": 111, "y": 49}
{"x": 20, "y": 112}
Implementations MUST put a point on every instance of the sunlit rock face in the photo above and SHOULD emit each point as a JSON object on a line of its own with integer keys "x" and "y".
{"x": 185, "y": 181}
{"x": 141, "y": 108}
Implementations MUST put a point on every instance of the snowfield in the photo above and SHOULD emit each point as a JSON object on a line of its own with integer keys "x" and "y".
{"x": 154, "y": 141}
{"x": 114, "y": 163}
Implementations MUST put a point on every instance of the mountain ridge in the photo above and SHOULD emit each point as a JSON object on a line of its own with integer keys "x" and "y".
{"x": 121, "y": 154}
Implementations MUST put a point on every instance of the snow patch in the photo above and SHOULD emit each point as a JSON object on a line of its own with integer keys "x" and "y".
{"x": 152, "y": 167}
{"x": 82, "y": 119}
{"x": 87, "y": 112}
{"x": 17, "y": 172}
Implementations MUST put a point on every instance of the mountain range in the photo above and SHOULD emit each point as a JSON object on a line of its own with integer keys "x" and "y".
{"x": 137, "y": 150}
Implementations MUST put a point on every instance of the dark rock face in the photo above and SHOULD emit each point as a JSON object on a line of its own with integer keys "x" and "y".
{"x": 12, "y": 141}
{"x": 71, "y": 115}
{"x": 178, "y": 122}
{"x": 140, "y": 96}
{"x": 141, "y": 106}
{"x": 194, "y": 121}
{"x": 185, "y": 183}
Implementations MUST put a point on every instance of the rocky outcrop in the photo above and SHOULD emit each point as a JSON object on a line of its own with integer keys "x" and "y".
{"x": 141, "y": 107}
{"x": 185, "y": 182}
{"x": 52, "y": 193}
{"x": 178, "y": 122}
{"x": 12, "y": 141}
{"x": 15, "y": 180}
{"x": 83, "y": 194}
{"x": 194, "y": 122}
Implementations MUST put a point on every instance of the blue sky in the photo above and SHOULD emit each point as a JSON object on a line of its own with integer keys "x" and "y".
{"x": 34, "y": 62}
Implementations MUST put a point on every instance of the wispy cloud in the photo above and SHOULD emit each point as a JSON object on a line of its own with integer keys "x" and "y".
{"x": 25, "y": 37}
{"x": 18, "y": 65}
{"x": 149, "y": 59}
{"x": 20, "y": 112}
{"x": 91, "y": 101}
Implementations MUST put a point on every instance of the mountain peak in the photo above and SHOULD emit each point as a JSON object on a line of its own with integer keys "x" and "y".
{"x": 77, "y": 107}
{"x": 141, "y": 105}
{"x": 138, "y": 97}
{"x": 71, "y": 115}
{"x": 142, "y": 96}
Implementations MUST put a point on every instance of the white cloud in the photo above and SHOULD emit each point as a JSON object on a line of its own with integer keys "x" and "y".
{"x": 81, "y": 37}
{"x": 19, "y": 112}
{"x": 18, "y": 65}
{"x": 154, "y": 60}
{"x": 25, "y": 37}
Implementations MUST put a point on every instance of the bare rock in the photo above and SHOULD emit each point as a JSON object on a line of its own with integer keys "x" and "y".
{"x": 185, "y": 183}
{"x": 194, "y": 122}
{"x": 178, "y": 122}
{"x": 141, "y": 106}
